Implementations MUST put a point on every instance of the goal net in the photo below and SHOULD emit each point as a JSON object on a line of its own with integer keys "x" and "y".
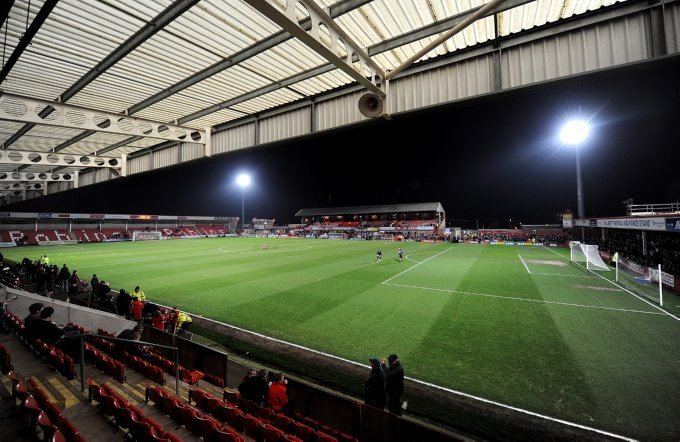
{"x": 144, "y": 235}
{"x": 587, "y": 253}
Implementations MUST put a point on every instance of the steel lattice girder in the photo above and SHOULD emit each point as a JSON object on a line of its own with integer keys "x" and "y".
{"x": 11, "y": 177}
{"x": 338, "y": 38}
{"x": 11, "y": 187}
{"x": 30, "y": 110}
{"x": 16, "y": 157}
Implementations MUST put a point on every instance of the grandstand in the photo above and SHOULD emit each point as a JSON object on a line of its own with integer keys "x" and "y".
{"x": 396, "y": 221}
{"x": 537, "y": 332}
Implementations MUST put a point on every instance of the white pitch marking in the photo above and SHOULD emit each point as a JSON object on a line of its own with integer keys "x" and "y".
{"x": 516, "y": 298}
{"x": 525, "y": 264}
{"x": 561, "y": 274}
{"x": 416, "y": 265}
{"x": 613, "y": 283}
{"x": 428, "y": 384}
{"x": 412, "y": 260}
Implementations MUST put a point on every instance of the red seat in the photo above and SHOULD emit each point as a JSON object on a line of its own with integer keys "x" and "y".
{"x": 140, "y": 431}
{"x": 253, "y": 426}
{"x": 266, "y": 413}
{"x": 303, "y": 431}
{"x": 235, "y": 418}
{"x": 323, "y": 437}
{"x": 342, "y": 437}
{"x": 225, "y": 435}
{"x": 283, "y": 423}
{"x": 291, "y": 438}
{"x": 203, "y": 426}
{"x": 232, "y": 397}
{"x": 58, "y": 437}
{"x": 46, "y": 426}
{"x": 198, "y": 396}
{"x": 124, "y": 417}
{"x": 272, "y": 434}
{"x": 184, "y": 416}
{"x": 211, "y": 405}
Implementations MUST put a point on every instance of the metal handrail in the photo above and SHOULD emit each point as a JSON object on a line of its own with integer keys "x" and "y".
{"x": 653, "y": 208}
{"x": 81, "y": 337}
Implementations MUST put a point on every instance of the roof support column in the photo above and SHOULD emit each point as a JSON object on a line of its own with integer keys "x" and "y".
{"x": 658, "y": 31}
{"x": 312, "y": 117}
{"x": 496, "y": 73}
{"x": 44, "y": 188}
{"x": 257, "y": 131}
{"x": 75, "y": 179}
{"x": 208, "y": 141}
{"x": 123, "y": 165}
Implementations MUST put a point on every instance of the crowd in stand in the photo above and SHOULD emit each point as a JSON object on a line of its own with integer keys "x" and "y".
{"x": 52, "y": 281}
{"x": 662, "y": 247}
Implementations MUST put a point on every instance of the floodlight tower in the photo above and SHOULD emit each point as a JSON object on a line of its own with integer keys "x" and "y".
{"x": 243, "y": 180}
{"x": 574, "y": 132}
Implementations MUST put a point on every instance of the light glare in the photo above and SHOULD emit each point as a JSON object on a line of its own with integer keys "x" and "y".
{"x": 574, "y": 132}
{"x": 243, "y": 180}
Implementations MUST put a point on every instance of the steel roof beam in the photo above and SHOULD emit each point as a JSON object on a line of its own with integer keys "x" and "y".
{"x": 287, "y": 20}
{"x": 25, "y": 40}
{"x": 177, "y": 8}
{"x": 378, "y": 48}
{"x": 17, "y": 157}
{"x": 335, "y": 10}
{"x": 19, "y": 177}
{"x": 5, "y": 7}
{"x": 20, "y": 108}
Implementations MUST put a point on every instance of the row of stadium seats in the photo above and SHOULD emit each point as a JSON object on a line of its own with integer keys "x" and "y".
{"x": 5, "y": 360}
{"x": 32, "y": 236}
{"x": 59, "y": 360}
{"x": 127, "y": 416}
{"x": 199, "y": 423}
{"x": 44, "y": 415}
{"x": 304, "y": 428}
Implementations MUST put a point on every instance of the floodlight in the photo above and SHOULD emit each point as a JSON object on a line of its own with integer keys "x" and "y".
{"x": 243, "y": 180}
{"x": 574, "y": 132}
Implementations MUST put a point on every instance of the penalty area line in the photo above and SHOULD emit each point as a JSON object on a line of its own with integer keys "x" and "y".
{"x": 416, "y": 265}
{"x": 617, "y": 285}
{"x": 525, "y": 264}
{"x": 427, "y": 384}
{"x": 515, "y": 298}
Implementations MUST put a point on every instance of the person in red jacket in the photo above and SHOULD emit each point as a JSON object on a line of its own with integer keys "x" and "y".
{"x": 277, "y": 398}
{"x": 136, "y": 309}
{"x": 158, "y": 320}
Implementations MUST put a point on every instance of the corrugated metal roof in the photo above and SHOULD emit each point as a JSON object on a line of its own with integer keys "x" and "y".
{"x": 77, "y": 35}
{"x": 372, "y": 210}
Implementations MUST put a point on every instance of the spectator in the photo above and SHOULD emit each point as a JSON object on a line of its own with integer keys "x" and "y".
{"x": 375, "y": 385}
{"x": 94, "y": 286}
{"x": 45, "y": 329}
{"x": 102, "y": 291}
{"x": 247, "y": 385}
{"x": 73, "y": 284}
{"x": 123, "y": 303}
{"x": 158, "y": 320}
{"x": 131, "y": 334}
{"x": 183, "y": 322}
{"x": 136, "y": 309}
{"x": 394, "y": 384}
{"x": 261, "y": 388}
{"x": 107, "y": 304}
{"x": 277, "y": 398}
{"x": 63, "y": 278}
{"x": 138, "y": 293}
{"x": 33, "y": 315}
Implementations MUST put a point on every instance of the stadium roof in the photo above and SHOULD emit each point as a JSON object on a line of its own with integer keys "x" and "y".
{"x": 200, "y": 63}
{"x": 372, "y": 210}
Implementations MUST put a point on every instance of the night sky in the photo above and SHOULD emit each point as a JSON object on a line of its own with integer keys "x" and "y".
{"x": 494, "y": 159}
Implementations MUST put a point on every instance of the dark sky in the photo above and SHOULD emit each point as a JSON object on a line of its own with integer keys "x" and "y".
{"x": 493, "y": 158}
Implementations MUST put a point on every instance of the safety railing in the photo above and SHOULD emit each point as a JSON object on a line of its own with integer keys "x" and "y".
{"x": 650, "y": 209}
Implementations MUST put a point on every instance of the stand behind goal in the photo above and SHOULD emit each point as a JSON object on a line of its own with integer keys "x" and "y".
{"x": 146, "y": 235}
{"x": 588, "y": 254}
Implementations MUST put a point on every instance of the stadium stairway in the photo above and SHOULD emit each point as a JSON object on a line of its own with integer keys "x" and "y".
{"x": 86, "y": 416}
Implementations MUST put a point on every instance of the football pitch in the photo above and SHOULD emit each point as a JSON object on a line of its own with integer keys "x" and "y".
{"x": 518, "y": 325}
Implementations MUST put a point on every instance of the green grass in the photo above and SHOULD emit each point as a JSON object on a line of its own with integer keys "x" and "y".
{"x": 557, "y": 341}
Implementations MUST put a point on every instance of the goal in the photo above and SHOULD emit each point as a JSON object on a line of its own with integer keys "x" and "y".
{"x": 144, "y": 235}
{"x": 587, "y": 253}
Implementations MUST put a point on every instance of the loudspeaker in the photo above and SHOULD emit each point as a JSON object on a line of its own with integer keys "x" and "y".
{"x": 371, "y": 105}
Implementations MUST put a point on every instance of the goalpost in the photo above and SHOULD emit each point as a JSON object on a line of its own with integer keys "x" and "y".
{"x": 587, "y": 253}
{"x": 144, "y": 235}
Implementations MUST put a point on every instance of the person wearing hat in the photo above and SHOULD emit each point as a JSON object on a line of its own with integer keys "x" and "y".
{"x": 394, "y": 383}
{"x": 375, "y": 385}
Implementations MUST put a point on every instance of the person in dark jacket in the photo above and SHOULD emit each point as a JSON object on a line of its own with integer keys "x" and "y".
{"x": 34, "y": 315}
{"x": 375, "y": 385}
{"x": 45, "y": 329}
{"x": 247, "y": 385}
{"x": 64, "y": 275}
{"x": 123, "y": 303}
{"x": 394, "y": 384}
